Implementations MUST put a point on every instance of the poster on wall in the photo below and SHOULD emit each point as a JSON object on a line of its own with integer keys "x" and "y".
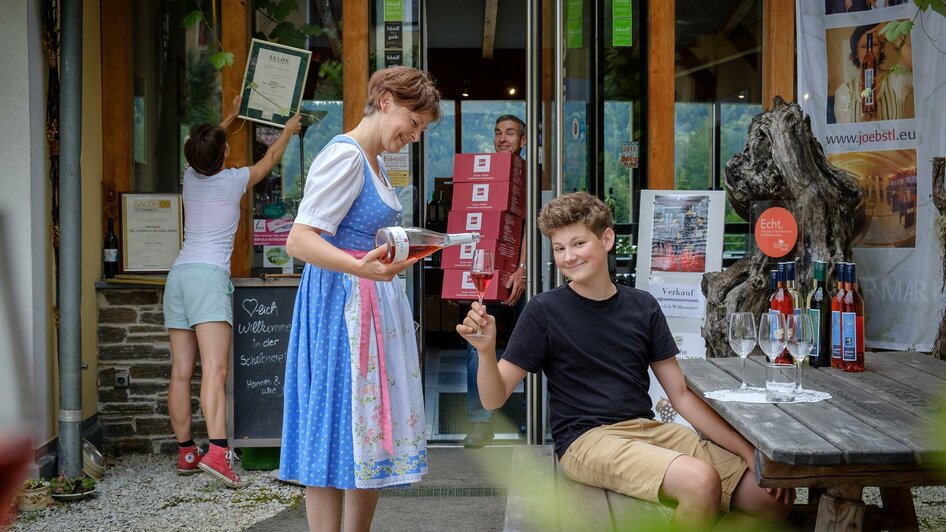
{"x": 681, "y": 239}
{"x": 152, "y": 231}
{"x": 875, "y": 102}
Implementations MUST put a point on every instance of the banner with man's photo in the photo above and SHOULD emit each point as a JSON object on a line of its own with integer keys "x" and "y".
{"x": 874, "y": 83}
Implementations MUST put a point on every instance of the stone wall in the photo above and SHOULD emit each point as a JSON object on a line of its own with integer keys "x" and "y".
{"x": 132, "y": 339}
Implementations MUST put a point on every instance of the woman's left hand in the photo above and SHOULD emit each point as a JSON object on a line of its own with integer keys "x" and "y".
{"x": 516, "y": 285}
{"x": 371, "y": 267}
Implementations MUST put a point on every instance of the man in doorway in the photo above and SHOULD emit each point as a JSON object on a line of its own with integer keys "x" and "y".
{"x": 509, "y": 136}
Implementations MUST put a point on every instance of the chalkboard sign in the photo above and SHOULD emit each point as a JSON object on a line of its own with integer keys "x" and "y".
{"x": 262, "y": 320}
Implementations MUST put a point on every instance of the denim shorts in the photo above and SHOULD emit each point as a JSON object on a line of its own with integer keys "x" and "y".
{"x": 197, "y": 293}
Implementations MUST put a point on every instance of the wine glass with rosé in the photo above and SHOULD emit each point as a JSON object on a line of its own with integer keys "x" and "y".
{"x": 481, "y": 273}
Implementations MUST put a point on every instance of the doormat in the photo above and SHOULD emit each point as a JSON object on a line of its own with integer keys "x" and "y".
{"x": 452, "y": 418}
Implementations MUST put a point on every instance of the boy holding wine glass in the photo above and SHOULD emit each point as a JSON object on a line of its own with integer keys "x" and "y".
{"x": 595, "y": 341}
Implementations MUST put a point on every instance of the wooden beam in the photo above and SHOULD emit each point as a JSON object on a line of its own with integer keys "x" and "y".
{"x": 355, "y": 58}
{"x": 117, "y": 166}
{"x": 489, "y": 28}
{"x": 235, "y": 30}
{"x": 660, "y": 93}
{"x": 778, "y": 51}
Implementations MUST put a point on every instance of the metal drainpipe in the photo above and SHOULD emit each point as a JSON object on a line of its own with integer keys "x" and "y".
{"x": 70, "y": 248}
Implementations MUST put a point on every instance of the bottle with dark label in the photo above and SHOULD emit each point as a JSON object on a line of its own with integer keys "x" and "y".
{"x": 611, "y": 203}
{"x": 852, "y": 324}
{"x": 782, "y": 302}
{"x": 837, "y": 305}
{"x": 433, "y": 212}
{"x": 441, "y": 209}
{"x": 868, "y": 78}
{"x": 414, "y": 243}
{"x": 110, "y": 253}
{"x": 818, "y": 304}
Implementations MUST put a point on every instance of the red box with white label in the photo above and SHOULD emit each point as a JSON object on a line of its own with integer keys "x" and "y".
{"x": 505, "y": 255}
{"x": 501, "y": 225}
{"x": 458, "y": 286}
{"x": 480, "y": 167}
{"x": 490, "y": 196}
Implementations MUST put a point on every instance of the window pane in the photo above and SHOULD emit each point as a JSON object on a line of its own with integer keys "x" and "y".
{"x": 478, "y": 118}
{"x": 441, "y": 139}
{"x": 693, "y": 146}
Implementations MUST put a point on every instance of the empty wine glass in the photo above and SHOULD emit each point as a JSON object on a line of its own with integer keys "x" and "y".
{"x": 481, "y": 273}
{"x": 772, "y": 334}
{"x": 742, "y": 338}
{"x": 799, "y": 336}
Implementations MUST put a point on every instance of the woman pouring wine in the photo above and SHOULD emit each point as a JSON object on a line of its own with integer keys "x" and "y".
{"x": 353, "y": 408}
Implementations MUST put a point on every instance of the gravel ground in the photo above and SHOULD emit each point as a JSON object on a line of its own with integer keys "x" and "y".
{"x": 145, "y": 493}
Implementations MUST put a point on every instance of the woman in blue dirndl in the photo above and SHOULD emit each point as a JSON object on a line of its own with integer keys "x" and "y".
{"x": 353, "y": 418}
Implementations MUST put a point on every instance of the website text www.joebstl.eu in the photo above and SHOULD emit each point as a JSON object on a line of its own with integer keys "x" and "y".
{"x": 874, "y": 136}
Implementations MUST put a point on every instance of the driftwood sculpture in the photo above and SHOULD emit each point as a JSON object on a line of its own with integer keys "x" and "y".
{"x": 939, "y": 199}
{"x": 782, "y": 160}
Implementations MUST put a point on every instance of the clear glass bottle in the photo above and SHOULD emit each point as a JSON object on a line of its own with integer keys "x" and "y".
{"x": 415, "y": 243}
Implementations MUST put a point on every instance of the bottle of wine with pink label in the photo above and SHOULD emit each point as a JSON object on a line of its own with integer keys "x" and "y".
{"x": 414, "y": 243}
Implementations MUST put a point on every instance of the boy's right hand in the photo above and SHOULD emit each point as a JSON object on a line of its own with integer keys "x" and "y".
{"x": 478, "y": 319}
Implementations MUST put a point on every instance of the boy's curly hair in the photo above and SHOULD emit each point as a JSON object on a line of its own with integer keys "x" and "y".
{"x": 577, "y": 207}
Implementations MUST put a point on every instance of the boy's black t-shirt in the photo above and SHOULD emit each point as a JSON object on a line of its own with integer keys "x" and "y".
{"x": 595, "y": 355}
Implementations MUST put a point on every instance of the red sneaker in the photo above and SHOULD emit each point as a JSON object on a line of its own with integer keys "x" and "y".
{"x": 217, "y": 463}
{"x": 188, "y": 458}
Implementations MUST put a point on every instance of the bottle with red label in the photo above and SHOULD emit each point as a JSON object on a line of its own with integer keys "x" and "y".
{"x": 837, "y": 305}
{"x": 868, "y": 79}
{"x": 781, "y": 302}
{"x": 852, "y": 324}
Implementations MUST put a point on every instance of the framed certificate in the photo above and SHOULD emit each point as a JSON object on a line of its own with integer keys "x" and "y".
{"x": 152, "y": 231}
{"x": 273, "y": 82}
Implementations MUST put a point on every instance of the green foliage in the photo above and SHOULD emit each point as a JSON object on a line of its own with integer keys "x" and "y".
{"x": 938, "y": 6}
{"x": 284, "y": 31}
{"x": 34, "y": 483}
{"x": 192, "y": 19}
{"x": 221, "y": 59}
{"x": 63, "y": 485}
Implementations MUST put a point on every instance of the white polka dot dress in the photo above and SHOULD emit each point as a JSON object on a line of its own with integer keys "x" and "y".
{"x": 353, "y": 414}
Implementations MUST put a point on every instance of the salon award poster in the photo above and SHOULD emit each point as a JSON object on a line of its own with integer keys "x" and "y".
{"x": 273, "y": 82}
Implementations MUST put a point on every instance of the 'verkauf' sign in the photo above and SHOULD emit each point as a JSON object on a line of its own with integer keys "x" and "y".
{"x": 875, "y": 99}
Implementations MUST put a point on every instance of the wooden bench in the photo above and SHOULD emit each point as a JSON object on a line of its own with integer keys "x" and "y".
{"x": 542, "y": 498}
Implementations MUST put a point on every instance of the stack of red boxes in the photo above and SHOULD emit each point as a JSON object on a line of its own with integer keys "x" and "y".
{"x": 489, "y": 198}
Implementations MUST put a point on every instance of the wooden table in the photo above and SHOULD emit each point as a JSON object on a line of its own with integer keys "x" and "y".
{"x": 883, "y": 427}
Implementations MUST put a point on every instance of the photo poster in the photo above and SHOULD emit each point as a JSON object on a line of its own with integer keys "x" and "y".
{"x": 273, "y": 82}
{"x": 889, "y": 151}
{"x": 681, "y": 238}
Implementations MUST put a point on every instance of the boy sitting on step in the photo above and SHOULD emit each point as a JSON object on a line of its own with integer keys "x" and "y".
{"x": 594, "y": 341}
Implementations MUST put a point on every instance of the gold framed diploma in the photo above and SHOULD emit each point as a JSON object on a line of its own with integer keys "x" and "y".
{"x": 152, "y": 231}
{"x": 273, "y": 82}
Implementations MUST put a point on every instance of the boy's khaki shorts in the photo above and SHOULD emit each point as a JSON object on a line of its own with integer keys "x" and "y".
{"x": 632, "y": 458}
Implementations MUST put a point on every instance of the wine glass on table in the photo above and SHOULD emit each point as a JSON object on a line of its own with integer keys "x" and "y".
{"x": 481, "y": 273}
{"x": 799, "y": 335}
{"x": 772, "y": 334}
{"x": 742, "y": 338}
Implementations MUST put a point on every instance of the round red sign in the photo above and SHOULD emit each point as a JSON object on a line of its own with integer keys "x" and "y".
{"x": 776, "y": 232}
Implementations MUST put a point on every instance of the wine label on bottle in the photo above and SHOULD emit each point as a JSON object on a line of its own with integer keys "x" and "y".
{"x": 848, "y": 337}
{"x": 111, "y": 255}
{"x": 400, "y": 242}
{"x": 835, "y": 334}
